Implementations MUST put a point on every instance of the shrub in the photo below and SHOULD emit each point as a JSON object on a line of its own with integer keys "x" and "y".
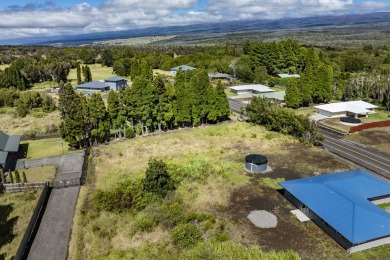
{"x": 129, "y": 132}
{"x": 186, "y": 235}
{"x": 200, "y": 168}
{"x": 157, "y": 179}
{"x": 145, "y": 223}
{"x": 171, "y": 214}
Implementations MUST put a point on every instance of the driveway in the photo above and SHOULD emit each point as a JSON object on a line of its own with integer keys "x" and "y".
{"x": 52, "y": 238}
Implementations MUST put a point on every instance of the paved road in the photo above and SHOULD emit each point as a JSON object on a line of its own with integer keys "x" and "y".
{"x": 367, "y": 157}
{"x": 52, "y": 238}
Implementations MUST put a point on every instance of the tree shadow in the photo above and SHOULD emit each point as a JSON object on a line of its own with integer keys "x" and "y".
{"x": 23, "y": 149}
{"x": 6, "y": 225}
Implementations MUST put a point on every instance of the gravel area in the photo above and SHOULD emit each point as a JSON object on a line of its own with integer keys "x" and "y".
{"x": 263, "y": 219}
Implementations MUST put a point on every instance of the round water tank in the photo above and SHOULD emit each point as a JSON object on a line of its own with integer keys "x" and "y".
{"x": 256, "y": 163}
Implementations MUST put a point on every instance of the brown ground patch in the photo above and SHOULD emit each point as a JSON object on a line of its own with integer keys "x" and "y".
{"x": 379, "y": 138}
{"x": 305, "y": 238}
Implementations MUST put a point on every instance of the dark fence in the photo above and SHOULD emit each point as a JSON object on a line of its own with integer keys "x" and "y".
{"x": 17, "y": 187}
{"x": 33, "y": 225}
{"x": 369, "y": 125}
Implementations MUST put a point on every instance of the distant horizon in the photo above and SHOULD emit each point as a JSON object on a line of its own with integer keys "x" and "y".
{"x": 44, "y": 18}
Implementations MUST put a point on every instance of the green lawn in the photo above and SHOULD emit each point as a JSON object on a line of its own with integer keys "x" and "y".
{"x": 40, "y": 174}
{"x": 378, "y": 116}
{"x": 305, "y": 110}
{"x": 98, "y": 72}
{"x": 15, "y": 212}
{"x": 45, "y": 147}
{"x": 44, "y": 85}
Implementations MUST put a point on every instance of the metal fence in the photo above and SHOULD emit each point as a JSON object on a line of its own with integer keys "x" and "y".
{"x": 17, "y": 187}
{"x": 32, "y": 227}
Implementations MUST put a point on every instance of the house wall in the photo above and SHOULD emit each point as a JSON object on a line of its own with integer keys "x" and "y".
{"x": 330, "y": 114}
{"x": 318, "y": 221}
{"x": 112, "y": 85}
{"x": 375, "y": 243}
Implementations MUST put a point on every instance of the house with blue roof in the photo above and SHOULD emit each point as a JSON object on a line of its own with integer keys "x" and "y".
{"x": 344, "y": 205}
{"x": 116, "y": 83}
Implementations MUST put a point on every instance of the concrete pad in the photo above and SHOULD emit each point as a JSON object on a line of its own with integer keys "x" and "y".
{"x": 263, "y": 219}
{"x": 300, "y": 216}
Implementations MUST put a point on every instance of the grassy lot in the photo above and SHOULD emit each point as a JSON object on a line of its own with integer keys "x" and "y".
{"x": 45, "y": 147}
{"x": 230, "y": 93}
{"x": 15, "y": 212}
{"x": 44, "y": 85}
{"x": 335, "y": 124}
{"x": 98, "y": 71}
{"x": 378, "y": 116}
{"x": 378, "y": 138}
{"x": 14, "y": 125}
{"x": 225, "y": 192}
{"x": 162, "y": 72}
{"x": 40, "y": 174}
{"x": 305, "y": 110}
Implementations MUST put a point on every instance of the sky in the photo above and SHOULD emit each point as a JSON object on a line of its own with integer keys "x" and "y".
{"x": 35, "y": 18}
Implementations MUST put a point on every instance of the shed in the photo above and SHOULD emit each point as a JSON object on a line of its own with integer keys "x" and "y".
{"x": 217, "y": 76}
{"x": 93, "y": 86}
{"x": 344, "y": 205}
{"x": 256, "y": 163}
{"x": 283, "y": 76}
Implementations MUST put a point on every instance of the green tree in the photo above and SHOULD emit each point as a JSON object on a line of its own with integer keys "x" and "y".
{"x": 75, "y": 127}
{"x": 87, "y": 56}
{"x": 24, "y": 177}
{"x": 157, "y": 179}
{"x": 293, "y": 98}
{"x": 78, "y": 70}
{"x": 116, "y": 111}
{"x": 99, "y": 118}
{"x": 17, "y": 176}
{"x": 107, "y": 58}
{"x": 87, "y": 73}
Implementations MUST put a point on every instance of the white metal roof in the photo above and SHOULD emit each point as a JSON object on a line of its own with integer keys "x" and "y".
{"x": 288, "y": 75}
{"x": 357, "y": 107}
{"x": 254, "y": 87}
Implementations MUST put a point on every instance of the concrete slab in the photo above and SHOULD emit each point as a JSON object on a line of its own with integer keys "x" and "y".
{"x": 300, "y": 216}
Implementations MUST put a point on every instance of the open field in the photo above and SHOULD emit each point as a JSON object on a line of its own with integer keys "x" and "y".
{"x": 378, "y": 116}
{"x": 45, "y": 147}
{"x": 162, "y": 72}
{"x": 378, "y": 138}
{"x": 40, "y": 174}
{"x": 15, "y": 212}
{"x": 46, "y": 85}
{"x": 14, "y": 125}
{"x": 98, "y": 72}
{"x": 136, "y": 40}
{"x": 227, "y": 193}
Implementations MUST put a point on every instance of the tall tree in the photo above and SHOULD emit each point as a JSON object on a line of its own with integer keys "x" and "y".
{"x": 293, "y": 98}
{"x": 78, "y": 70}
{"x": 87, "y": 73}
{"x": 99, "y": 118}
{"x": 116, "y": 111}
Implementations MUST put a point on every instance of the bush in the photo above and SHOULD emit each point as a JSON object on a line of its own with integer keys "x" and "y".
{"x": 186, "y": 235}
{"x": 144, "y": 223}
{"x": 129, "y": 132}
{"x": 157, "y": 179}
{"x": 200, "y": 168}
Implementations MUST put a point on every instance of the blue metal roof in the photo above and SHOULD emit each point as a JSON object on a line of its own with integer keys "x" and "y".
{"x": 93, "y": 85}
{"x": 341, "y": 199}
{"x": 114, "y": 79}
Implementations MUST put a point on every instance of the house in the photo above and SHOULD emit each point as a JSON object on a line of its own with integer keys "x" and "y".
{"x": 93, "y": 86}
{"x": 277, "y": 96}
{"x": 182, "y": 68}
{"x": 116, "y": 83}
{"x": 218, "y": 76}
{"x": 350, "y": 108}
{"x": 283, "y": 76}
{"x": 251, "y": 89}
{"x": 9, "y": 147}
{"x": 344, "y": 205}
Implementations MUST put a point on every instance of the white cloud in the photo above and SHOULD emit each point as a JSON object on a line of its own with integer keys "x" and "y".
{"x": 33, "y": 19}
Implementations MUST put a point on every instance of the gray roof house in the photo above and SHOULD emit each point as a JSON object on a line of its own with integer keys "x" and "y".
{"x": 93, "y": 86}
{"x": 216, "y": 76}
{"x": 9, "y": 145}
{"x": 182, "y": 68}
{"x": 116, "y": 83}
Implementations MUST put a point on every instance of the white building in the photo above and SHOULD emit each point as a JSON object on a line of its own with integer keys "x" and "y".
{"x": 357, "y": 108}
{"x": 251, "y": 89}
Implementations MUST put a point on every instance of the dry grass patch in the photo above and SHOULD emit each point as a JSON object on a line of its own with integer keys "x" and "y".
{"x": 18, "y": 126}
{"x": 40, "y": 174}
{"x": 378, "y": 138}
{"x": 15, "y": 212}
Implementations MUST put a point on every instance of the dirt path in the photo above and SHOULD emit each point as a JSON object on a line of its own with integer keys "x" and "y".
{"x": 52, "y": 238}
